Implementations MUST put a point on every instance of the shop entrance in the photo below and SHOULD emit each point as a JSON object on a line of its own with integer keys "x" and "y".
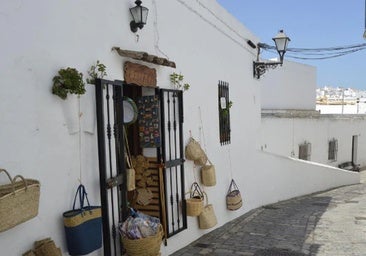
{"x": 156, "y": 143}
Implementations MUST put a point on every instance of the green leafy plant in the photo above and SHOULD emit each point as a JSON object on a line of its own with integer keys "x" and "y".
{"x": 178, "y": 83}
{"x": 67, "y": 81}
{"x": 225, "y": 111}
{"x": 96, "y": 71}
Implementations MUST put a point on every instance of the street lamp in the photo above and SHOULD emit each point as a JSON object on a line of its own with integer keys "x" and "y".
{"x": 259, "y": 67}
{"x": 139, "y": 15}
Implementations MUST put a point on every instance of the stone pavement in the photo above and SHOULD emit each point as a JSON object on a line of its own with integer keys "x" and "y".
{"x": 331, "y": 223}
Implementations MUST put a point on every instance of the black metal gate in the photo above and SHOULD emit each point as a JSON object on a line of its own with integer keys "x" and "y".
{"x": 109, "y": 107}
{"x": 171, "y": 107}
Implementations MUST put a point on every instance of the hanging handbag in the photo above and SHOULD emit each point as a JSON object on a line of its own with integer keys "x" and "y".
{"x": 233, "y": 197}
{"x": 208, "y": 174}
{"x": 130, "y": 171}
{"x": 207, "y": 218}
{"x": 193, "y": 150}
{"x": 194, "y": 204}
{"x": 83, "y": 226}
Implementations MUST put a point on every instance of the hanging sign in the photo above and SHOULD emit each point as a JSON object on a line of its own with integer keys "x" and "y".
{"x": 139, "y": 74}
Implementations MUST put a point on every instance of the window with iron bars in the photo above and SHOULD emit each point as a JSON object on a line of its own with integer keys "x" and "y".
{"x": 332, "y": 150}
{"x": 305, "y": 151}
{"x": 224, "y": 105}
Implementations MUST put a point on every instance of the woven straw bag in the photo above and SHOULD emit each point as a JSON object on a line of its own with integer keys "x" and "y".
{"x": 148, "y": 246}
{"x": 46, "y": 247}
{"x": 193, "y": 150}
{"x": 208, "y": 175}
{"x": 194, "y": 204}
{"x": 202, "y": 160}
{"x": 207, "y": 218}
{"x": 233, "y": 197}
{"x": 19, "y": 201}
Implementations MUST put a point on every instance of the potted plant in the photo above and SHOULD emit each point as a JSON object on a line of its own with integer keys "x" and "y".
{"x": 68, "y": 80}
{"x": 178, "y": 83}
{"x": 96, "y": 71}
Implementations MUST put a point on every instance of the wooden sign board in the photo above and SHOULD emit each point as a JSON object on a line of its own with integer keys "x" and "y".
{"x": 139, "y": 74}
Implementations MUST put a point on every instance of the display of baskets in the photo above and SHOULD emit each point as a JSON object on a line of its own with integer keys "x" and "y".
{"x": 19, "y": 201}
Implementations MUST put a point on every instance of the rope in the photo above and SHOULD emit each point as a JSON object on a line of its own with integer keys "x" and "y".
{"x": 79, "y": 124}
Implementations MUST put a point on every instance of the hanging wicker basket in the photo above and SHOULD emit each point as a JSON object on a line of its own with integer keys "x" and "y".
{"x": 233, "y": 197}
{"x": 148, "y": 246}
{"x": 194, "y": 204}
{"x": 193, "y": 150}
{"x": 208, "y": 175}
{"x": 19, "y": 201}
{"x": 207, "y": 219}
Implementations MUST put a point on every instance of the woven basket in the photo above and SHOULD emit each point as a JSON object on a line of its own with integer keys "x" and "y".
{"x": 148, "y": 246}
{"x": 233, "y": 197}
{"x": 207, "y": 218}
{"x": 202, "y": 160}
{"x": 193, "y": 150}
{"x": 208, "y": 175}
{"x": 46, "y": 247}
{"x": 19, "y": 201}
{"x": 194, "y": 204}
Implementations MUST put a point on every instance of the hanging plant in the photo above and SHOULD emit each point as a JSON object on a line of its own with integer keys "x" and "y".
{"x": 67, "y": 81}
{"x": 96, "y": 71}
{"x": 225, "y": 111}
{"x": 178, "y": 83}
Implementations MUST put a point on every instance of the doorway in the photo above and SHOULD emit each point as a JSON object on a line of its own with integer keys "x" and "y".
{"x": 354, "y": 149}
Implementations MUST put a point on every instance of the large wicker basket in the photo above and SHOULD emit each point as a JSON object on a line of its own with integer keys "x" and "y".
{"x": 148, "y": 246}
{"x": 19, "y": 201}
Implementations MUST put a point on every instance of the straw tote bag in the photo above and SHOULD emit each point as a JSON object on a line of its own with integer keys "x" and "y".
{"x": 83, "y": 226}
{"x": 19, "y": 201}
{"x": 208, "y": 175}
{"x": 193, "y": 150}
{"x": 233, "y": 197}
{"x": 194, "y": 204}
{"x": 130, "y": 171}
{"x": 207, "y": 218}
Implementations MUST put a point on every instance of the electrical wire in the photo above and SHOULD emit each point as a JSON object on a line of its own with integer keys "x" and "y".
{"x": 318, "y": 53}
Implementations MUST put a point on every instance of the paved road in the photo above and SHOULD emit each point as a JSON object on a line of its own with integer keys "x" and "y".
{"x": 331, "y": 223}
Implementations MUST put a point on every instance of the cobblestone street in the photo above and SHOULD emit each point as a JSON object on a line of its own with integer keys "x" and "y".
{"x": 331, "y": 223}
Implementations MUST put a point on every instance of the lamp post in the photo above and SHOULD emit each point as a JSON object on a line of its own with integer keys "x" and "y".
{"x": 139, "y": 14}
{"x": 259, "y": 67}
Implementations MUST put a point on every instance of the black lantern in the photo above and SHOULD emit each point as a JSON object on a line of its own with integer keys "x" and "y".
{"x": 281, "y": 40}
{"x": 139, "y": 15}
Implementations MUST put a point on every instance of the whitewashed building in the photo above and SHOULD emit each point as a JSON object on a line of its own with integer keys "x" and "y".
{"x": 56, "y": 142}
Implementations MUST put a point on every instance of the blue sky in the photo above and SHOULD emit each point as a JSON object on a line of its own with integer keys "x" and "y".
{"x": 312, "y": 24}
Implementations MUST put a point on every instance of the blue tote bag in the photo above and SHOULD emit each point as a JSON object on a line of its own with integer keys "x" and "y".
{"x": 83, "y": 226}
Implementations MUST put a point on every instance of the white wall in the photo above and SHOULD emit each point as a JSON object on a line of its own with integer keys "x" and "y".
{"x": 290, "y": 86}
{"x": 42, "y": 37}
{"x": 290, "y": 132}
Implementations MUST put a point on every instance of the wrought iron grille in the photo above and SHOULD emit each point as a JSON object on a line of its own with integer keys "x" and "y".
{"x": 224, "y": 112}
{"x": 109, "y": 108}
{"x": 171, "y": 154}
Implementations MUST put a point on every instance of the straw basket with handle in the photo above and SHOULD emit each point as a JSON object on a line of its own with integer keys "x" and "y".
{"x": 19, "y": 201}
{"x": 148, "y": 246}
{"x": 233, "y": 197}
{"x": 194, "y": 204}
{"x": 208, "y": 174}
{"x": 207, "y": 218}
{"x": 193, "y": 150}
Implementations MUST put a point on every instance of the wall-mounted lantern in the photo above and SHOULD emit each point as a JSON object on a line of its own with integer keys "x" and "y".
{"x": 139, "y": 15}
{"x": 260, "y": 67}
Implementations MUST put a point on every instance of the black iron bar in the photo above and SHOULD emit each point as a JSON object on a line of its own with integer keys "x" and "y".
{"x": 175, "y": 156}
{"x": 102, "y": 166}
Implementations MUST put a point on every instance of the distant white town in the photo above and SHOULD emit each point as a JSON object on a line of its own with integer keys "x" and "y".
{"x": 338, "y": 100}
